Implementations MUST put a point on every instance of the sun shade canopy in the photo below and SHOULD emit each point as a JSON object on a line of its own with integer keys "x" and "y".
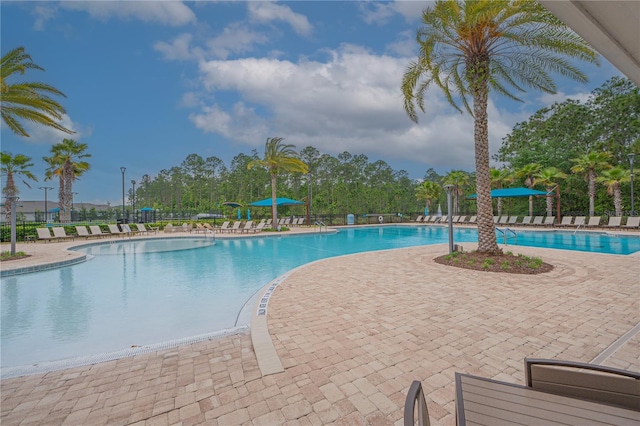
{"x": 232, "y": 204}
{"x": 512, "y": 192}
{"x": 279, "y": 202}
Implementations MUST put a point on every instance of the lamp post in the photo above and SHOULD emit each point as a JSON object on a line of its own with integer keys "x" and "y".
{"x": 133, "y": 200}
{"x": 631, "y": 158}
{"x": 449, "y": 188}
{"x": 46, "y": 207}
{"x": 123, "y": 169}
{"x": 72, "y": 196}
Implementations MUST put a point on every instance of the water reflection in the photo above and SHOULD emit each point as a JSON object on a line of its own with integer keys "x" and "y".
{"x": 68, "y": 308}
{"x": 15, "y": 316}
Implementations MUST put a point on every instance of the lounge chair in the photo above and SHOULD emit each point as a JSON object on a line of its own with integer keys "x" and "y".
{"x": 143, "y": 229}
{"x": 419, "y": 218}
{"x": 247, "y": 226}
{"x": 45, "y": 234}
{"x": 462, "y": 220}
{"x": 503, "y": 220}
{"x": 526, "y": 220}
{"x": 168, "y": 228}
{"x": 95, "y": 230}
{"x": 258, "y": 228}
{"x": 594, "y": 221}
{"x": 114, "y": 230}
{"x": 584, "y": 381}
{"x": 549, "y": 221}
{"x": 537, "y": 221}
{"x": 60, "y": 233}
{"x": 268, "y": 222}
{"x": 579, "y": 221}
{"x": 633, "y": 222}
{"x": 566, "y": 221}
{"x": 513, "y": 220}
{"x": 236, "y": 226}
{"x": 127, "y": 230}
{"x": 83, "y": 232}
{"x": 416, "y": 404}
{"x": 496, "y": 219}
{"x": 614, "y": 222}
{"x": 433, "y": 219}
{"x": 208, "y": 227}
{"x": 473, "y": 220}
{"x": 187, "y": 227}
{"x": 225, "y": 227}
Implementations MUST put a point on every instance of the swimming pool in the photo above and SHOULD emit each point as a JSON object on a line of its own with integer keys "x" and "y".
{"x": 140, "y": 292}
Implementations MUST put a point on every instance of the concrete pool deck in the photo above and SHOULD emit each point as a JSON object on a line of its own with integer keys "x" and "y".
{"x": 352, "y": 333}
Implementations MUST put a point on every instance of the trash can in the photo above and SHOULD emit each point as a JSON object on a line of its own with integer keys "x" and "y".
{"x": 350, "y": 219}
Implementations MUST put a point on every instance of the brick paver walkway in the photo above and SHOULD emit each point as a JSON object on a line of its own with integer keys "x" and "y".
{"x": 352, "y": 333}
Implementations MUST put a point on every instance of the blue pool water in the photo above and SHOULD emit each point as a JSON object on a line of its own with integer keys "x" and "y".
{"x": 136, "y": 293}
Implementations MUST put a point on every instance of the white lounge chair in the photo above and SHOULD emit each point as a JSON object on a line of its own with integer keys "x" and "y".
{"x": 614, "y": 222}
{"x": 526, "y": 220}
{"x": 580, "y": 220}
{"x": 225, "y": 227}
{"x": 96, "y": 231}
{"x": 114, "y": 230}
{"x": 633, "y": 222}
{"x": 594, "y": 221}
{"x": 566, "y": 221}
{"x": 247, "y": 226}
{"x": 236, "y": 226}
{"x": 60, "y": 233}
{"x": 83, "y": 232}
{"x": 44, "y": 234}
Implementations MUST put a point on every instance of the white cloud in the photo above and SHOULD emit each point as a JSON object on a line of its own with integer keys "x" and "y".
{"x": 350, "y": 102}
{"x": 236, "y": 38}
{"x": 374, "y": 12}
{"x": 43, "y": 13}
{"x": 266, "y": 12}
{"x": 172, "y": 13}
{"x": 178, "y": 49}
{"x": 39, "y": 134}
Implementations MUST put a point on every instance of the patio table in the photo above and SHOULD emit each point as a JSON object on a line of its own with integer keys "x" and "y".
{"x": 485, "y": 401}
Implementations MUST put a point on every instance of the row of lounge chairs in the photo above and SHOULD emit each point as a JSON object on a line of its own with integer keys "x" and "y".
{"x": 59, "y": 233}
{"x": 615, "y": 222}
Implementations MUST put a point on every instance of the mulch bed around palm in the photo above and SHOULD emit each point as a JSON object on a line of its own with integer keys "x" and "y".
{"x": 505, "y": 263}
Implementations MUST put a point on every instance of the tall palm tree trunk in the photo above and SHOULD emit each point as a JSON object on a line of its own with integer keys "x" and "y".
{"x": 549, "y": 202}
{"x": 486, "y": 229}
{"x": 617, "y": 199}
{"x": 592, "y": 192}
{"x": 9, "y": 193}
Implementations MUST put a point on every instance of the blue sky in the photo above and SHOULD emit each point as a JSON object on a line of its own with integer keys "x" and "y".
{"x": 150, "y": 82}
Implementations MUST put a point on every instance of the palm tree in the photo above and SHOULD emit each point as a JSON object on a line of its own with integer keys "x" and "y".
{"x": 527, "y": 173}
{"x": 467, "y": 47}
{"x": 613, "y": 178}
{"x": 11, "y": 167}
{"x": 27, "y": 100}
{"x": 65, "y": 163}
{"x": 590, "y": 164}
{"x": 278, "y": 157}
{"x": 549, "y": 178}
{"x": 500, "y": 178}
{"x": 427, "y": 191}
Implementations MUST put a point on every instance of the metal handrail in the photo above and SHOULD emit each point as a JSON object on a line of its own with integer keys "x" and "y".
{"x": 505, "y": 234}
{"x": 321, "y": 224}
{"x": 574, "y": 232}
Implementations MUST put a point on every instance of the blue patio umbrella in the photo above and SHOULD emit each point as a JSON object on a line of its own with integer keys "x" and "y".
{"x": 146, "y": 209}
{"x": 248, "y": 214}
{"x": 239, "y": 214}
{"x": 267, "y": 202}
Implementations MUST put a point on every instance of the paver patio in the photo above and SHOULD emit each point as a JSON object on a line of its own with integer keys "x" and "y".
{"x": 352, "y": 333}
